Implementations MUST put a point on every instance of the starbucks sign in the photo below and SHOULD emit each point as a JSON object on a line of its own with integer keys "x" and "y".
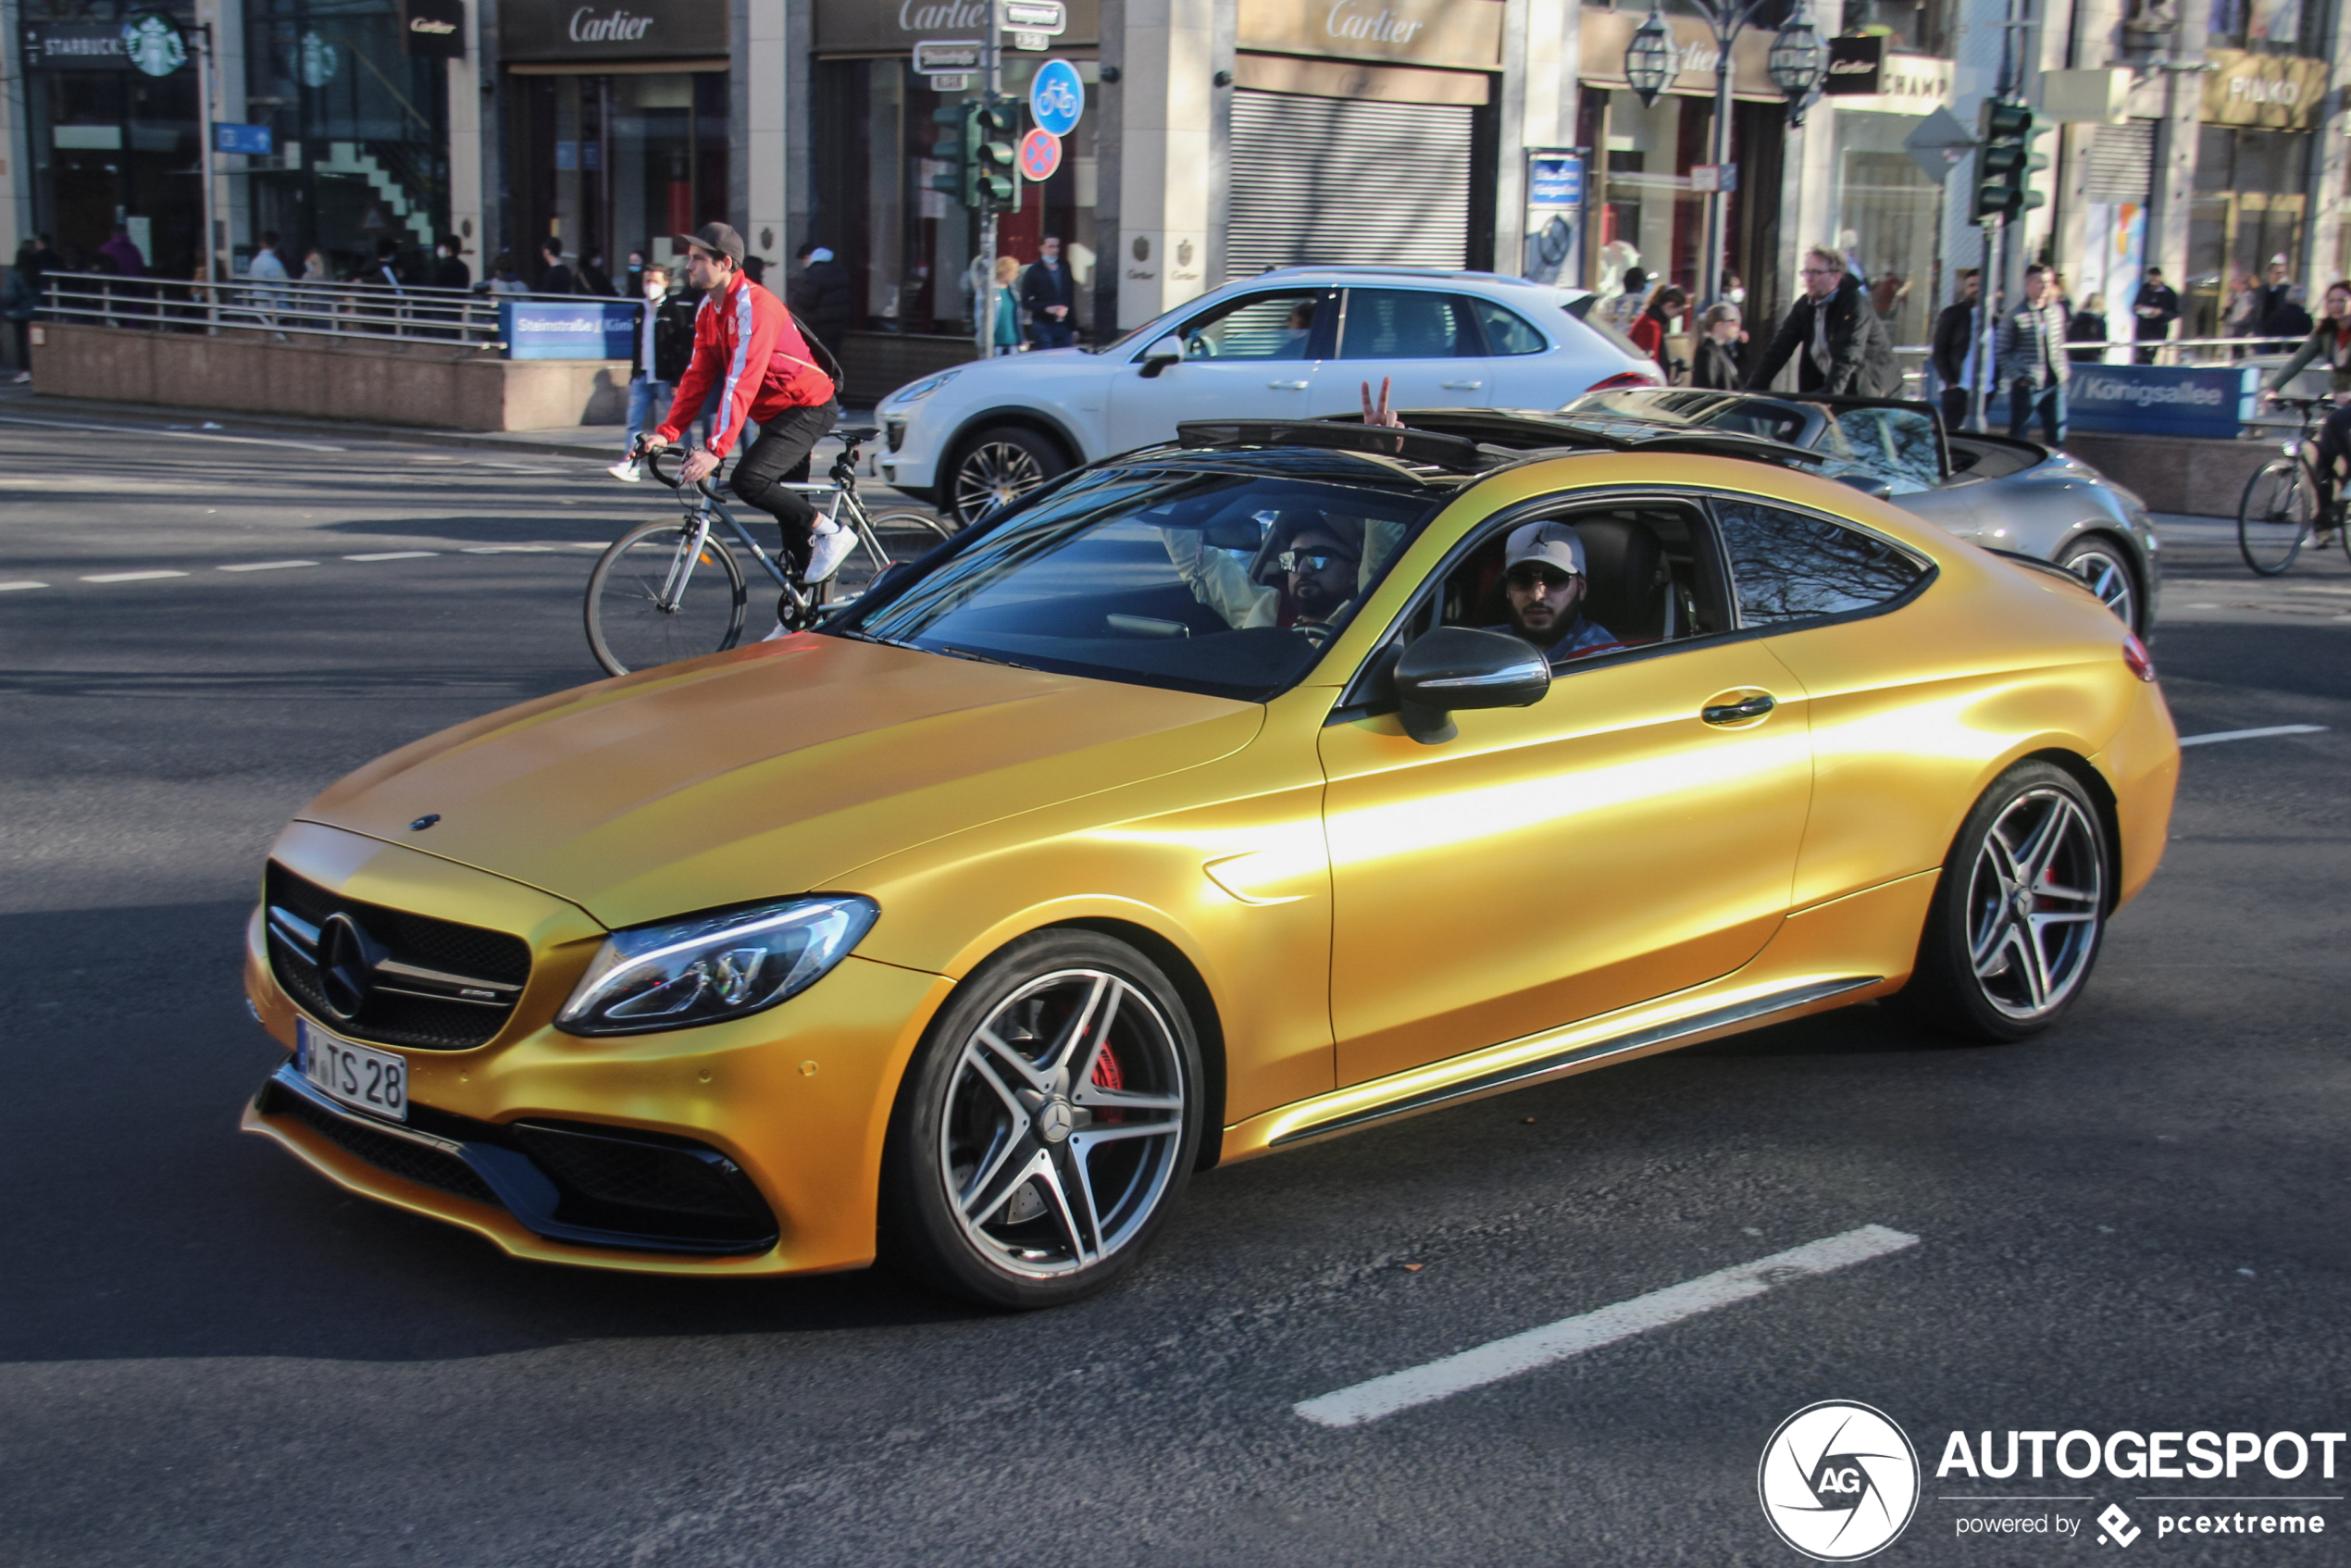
{"x": 153, "y": 44}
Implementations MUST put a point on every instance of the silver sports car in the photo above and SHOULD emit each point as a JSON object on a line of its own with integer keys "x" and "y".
{"x": 2002, "y": 494}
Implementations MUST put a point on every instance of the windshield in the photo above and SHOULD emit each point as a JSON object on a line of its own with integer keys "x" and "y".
{"x": 1198, "y": 578}
{"x": 1713, "y": 410}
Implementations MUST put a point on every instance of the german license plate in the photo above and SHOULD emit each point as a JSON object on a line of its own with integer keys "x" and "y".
{"x": 373, "y": 1081}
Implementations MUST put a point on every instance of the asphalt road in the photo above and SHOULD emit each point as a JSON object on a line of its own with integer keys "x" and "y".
{"x": 210, "y": 1356}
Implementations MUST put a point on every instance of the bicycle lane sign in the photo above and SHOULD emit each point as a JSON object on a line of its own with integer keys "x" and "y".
{"x": 1057, "y": 97}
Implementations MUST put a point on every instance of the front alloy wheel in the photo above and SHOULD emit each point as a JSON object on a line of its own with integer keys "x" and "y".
{"x": 1049, "y": 1123}
{"x": 999, "y": 465}
{"x": 2019, "y": 913}
{"x": 2101, "y": 566}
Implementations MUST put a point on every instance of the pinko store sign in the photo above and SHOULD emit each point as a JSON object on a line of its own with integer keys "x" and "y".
{"x": 612, "y": 29}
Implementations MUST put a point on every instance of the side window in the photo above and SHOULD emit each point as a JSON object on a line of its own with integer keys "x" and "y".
{"x": 1258, "y": 327}
{"x": 1407, "y": 324}
{"x": 1644, "y": 582}
{"x": 1506, "y": 332}
{"x": 1788, "y": 567}
{"x": 1897, "y": 444}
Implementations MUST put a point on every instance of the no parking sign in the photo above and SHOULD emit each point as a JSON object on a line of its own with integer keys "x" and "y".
{"x": 1040, "y": 153}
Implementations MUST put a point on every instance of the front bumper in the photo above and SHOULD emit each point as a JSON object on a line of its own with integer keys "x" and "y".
{"x": 788, "y": 1110}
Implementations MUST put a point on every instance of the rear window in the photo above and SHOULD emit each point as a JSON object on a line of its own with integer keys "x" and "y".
{"x": 1204, "y": 580}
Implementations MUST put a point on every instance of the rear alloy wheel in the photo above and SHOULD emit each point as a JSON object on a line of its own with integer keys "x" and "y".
{"x": 2101, "y": 565}
{"x": 999, "y": 465}
{"x": 2019, "y": 913}
{"x": 1047, "y": 1126}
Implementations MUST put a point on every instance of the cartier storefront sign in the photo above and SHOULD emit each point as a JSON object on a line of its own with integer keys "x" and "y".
{"x": 612, "y": 29}
{"x": 890, "y": 27}
{"x": 1464, "y": 33}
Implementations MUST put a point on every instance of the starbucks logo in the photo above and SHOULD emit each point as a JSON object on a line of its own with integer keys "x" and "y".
{"x": 153, "y": 44}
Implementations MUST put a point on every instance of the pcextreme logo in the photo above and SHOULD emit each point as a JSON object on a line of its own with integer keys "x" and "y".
{"x": 1838, "y": 1481}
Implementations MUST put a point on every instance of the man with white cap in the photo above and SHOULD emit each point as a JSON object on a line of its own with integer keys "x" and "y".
{"x": 747, "y": 346}
{"x": 1543, "y": 574}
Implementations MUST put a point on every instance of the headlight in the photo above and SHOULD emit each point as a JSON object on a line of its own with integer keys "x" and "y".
{"x": 915, "y": 392}
{"x": 710, "y": 967}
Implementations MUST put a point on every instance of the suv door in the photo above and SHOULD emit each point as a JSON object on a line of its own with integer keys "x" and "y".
{"x": 1250, "y": 358}
{"x": 1426, "y": 341}
{"x": 1624, "y": 838}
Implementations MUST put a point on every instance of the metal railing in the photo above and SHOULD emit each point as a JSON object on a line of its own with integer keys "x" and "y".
{"x": 2177, "y": 352}
{"x": 346, "y": 311}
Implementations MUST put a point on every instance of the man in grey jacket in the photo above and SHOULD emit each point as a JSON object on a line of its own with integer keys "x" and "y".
{"x": 2031, "y": 358}
{"x": 1841, "y": 343}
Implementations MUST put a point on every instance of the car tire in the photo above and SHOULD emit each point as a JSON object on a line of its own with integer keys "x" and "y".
{"x": 2107, "y": 567}
{"x": 1018, "y": 1173}
{"x": 994, "y": 465}
{"x": 2018, "y": 913}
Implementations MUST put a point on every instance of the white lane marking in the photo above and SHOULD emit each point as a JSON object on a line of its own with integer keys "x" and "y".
{"x": 590, "y": 545}
{"x": 130, "y": 576}
{"x": 13, "y": 587}
{"x": 265, "y": 565}
{"x": 506, "y": 548}
{"x": 393, "y": 555}
{"x": 2314, "y": 588}
{"x": 1525, "y": 1352}
{"x": 2251, "y": 734}
{"x": 93, "y": 428}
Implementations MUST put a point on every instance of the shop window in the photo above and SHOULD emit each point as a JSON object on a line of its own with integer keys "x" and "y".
{"x": 1919, "y": 26}
{"x": 2278, "y": 27}
{"x": 2249, "y": 208}
{"x": 1889, "y": 215}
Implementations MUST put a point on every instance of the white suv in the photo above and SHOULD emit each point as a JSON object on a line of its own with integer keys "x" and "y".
{"x": 1295, "y": 343}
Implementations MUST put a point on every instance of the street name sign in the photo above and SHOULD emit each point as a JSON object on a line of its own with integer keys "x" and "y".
{"x": 946, "y": 56}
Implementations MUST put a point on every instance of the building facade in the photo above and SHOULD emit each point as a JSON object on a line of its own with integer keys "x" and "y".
{"x": 1218, "y": 138}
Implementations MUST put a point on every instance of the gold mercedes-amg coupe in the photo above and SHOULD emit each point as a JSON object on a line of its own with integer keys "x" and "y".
{"x": 1212, "y": 799}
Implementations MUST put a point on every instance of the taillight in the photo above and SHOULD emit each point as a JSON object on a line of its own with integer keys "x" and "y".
{"x": 1628, "y": 379}
{"x": 2136, "y": 654}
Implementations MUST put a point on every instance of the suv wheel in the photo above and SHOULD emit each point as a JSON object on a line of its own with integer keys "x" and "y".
{"x": 997, "y": 465}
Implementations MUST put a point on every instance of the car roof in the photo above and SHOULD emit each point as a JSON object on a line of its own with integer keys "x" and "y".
{"x": 1356, "y": 273}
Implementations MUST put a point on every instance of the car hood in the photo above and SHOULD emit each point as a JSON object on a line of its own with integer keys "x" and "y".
{"x": 770, "y": 770}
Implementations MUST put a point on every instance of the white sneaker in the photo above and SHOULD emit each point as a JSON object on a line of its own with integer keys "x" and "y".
{"x": 626, "y": 472}
{"x": 780, "y": 631}
{"x": 828, "y": 550}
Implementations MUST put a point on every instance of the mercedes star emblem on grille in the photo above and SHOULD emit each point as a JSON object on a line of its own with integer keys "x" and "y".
{"x": 347, "y": 960}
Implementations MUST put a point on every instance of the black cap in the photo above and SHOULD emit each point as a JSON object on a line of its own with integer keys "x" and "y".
{"x": 719, "y": 237}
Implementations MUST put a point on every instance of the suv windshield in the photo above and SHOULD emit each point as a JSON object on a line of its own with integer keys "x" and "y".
{"x": 1222, "y": 578}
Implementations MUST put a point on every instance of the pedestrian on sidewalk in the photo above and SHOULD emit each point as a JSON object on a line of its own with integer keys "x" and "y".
{"x": 663, "y": 346}
{"x": 1951, "y": 352}
{"x": 1721, "y": 359}
{"x": 823, "y": 295}
{"x": 554, "y": 278}
{"x": 449, "y": 269}
{"x": 267, "y": 270}
{"x": 1655, "y": 324}
{"x": 1007, "y": 338}
{"x": 2087, "y": 325}
{"x": 1625, "y": 308}
{"x": 20, "y": 301}
{"x": 1841, "y": 345}
{"x": 1049, "y": 295}
{"x": 2032, "y": 359}
{"x": 2330, "y": 342}
{"x": 506, "y": 277}
{"x": 2156, "y": 309}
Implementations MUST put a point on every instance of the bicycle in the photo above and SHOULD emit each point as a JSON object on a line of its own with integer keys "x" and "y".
{"x": 2280, "y": 510}
{"x": 669, "y": 590}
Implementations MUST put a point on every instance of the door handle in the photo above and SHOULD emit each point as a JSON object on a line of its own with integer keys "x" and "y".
{"x": 1740, "y": 712}
{"x": 1287, "y": 386}
{"x": 1463, "y": 386}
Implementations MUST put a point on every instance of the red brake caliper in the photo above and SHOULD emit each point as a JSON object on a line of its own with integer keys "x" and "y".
{"x": 1108, "y": 1075}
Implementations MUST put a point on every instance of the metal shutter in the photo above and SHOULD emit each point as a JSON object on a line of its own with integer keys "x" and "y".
{"x": 2120, "y": 164}
{"x": 1328, "y": 181}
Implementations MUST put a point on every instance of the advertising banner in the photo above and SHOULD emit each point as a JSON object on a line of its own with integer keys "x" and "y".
{"x": 572, "y": 329}
{"x": 2163, "y": 400}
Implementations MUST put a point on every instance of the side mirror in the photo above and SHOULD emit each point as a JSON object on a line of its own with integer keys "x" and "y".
{"x": 1162, "y": 355}
{"x": 1456, "y": 668}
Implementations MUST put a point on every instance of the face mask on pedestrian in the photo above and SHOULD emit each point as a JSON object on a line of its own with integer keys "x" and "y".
{"x": 655, "y": 286}
{"x": 1736, "y": 297}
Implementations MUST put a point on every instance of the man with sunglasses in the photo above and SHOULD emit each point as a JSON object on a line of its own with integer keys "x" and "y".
{"x": 1543, "y": 574}
{"x": 1305, "y": 575}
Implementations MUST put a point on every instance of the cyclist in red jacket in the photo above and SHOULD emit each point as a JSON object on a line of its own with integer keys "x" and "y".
{"x": 746, "y": 345}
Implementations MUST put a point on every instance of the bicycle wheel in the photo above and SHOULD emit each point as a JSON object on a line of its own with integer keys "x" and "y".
{"x": 904, "y": 536}
{"x": 2280, "y": 502}
{"x": 649, "y": 603}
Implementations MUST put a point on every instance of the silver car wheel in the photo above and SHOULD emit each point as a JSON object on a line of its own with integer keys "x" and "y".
{"x": 992, "y": 473}
{"x": 2034, "y": 906}
{"x": 1065, "y": 1120}
{"x": 2110, "y": 579}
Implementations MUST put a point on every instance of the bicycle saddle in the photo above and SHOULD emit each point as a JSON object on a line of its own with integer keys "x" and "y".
{"x": 858, "y": 435}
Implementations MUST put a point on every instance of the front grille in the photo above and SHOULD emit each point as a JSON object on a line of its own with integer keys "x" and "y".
{"x": 391, "y": 1017}
{"x": 386, "y": 1151}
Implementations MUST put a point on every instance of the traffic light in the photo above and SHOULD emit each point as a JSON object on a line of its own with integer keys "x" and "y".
{"x": 996, "y": 177}
{"x": 957, "y": 147}
{"x": 2005, "y": 163}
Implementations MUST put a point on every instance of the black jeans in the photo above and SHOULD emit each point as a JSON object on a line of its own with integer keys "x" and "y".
{"x": 779, "y": 457}
{"x": 1957, "y": 404}
{"x": 2334, "y": 445}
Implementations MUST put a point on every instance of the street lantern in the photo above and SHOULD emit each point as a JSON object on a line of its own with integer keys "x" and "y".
{"x": 1649, "y": 60}
{"x": 1795, "y": 62}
